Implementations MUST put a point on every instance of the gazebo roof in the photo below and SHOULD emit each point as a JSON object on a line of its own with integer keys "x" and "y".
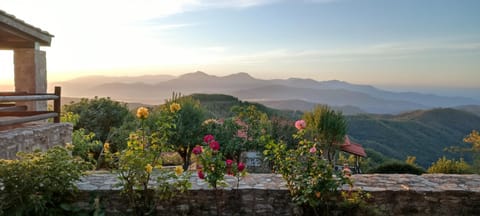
{"x": 15, "y": 33}
{"x": 353, "y": 148}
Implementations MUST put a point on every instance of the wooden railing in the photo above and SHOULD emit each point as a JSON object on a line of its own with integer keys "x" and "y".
{"x": 20, "y": 112}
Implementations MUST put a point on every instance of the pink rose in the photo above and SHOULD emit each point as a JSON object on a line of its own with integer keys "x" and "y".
{"x": 300, "y": 124}
{"x": 229, "y": 162}
{"x": 208, "y": 138}
{"x": 214, "y": 145}
{"x": 241, "y": 166}
{"x": 313, "y": 149}
{"x": 197, "y": 150}
{"x": 201, "y": 175}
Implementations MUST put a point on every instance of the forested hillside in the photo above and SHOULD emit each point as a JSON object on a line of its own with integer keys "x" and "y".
{"x": 423, "y": 134}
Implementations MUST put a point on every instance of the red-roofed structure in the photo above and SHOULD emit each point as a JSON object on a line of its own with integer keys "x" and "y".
{"x": 355, "y": 149}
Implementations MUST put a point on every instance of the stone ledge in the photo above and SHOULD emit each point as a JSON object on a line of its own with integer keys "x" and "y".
{"x": 366, "y": 182}
{"x": 33, "y": 136}
{"x": 266, "y": 194}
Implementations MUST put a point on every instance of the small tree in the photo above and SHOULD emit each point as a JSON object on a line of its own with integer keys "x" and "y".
{"x": 99, "y": 115}
{"x": 327, "y": 128}
{"x": 254, "y": 127}
{"x": 474, "y": 139}
{"x": 187, "y": 131}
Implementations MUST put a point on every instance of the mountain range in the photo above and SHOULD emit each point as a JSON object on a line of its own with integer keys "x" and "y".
{"x": 292, "y": 93}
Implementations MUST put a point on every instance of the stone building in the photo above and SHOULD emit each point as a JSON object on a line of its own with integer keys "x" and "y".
{"x": 21, "y": 110}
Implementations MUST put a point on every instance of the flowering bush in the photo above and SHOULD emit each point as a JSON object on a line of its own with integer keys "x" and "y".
{"x": 136, "y": 164}
{"x": 310, "y": 178}
{"x": 210, "y": 162}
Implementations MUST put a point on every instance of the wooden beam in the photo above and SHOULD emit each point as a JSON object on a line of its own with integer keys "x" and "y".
{"x": 57, "y": 104}
{"x": 26, "y": 119}
{"x": 29, "y": 97}
{"x": 12, "y": 108}
{"x": 23, "y": 113}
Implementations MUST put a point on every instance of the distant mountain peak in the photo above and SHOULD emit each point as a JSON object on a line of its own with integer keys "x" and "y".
{"x": 195, "y": 75}
{"x": 240, "y": 75}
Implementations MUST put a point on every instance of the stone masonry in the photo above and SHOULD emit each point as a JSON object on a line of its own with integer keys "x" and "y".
{"x": 33, "y": 136}
{"x": 266, "y": 194}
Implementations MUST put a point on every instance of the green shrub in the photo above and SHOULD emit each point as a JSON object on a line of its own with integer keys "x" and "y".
{"x": 99, "y": 115}
{"x": 39, "y": 183}
{"x": 444, "y": 165}
{"x": 398, "y": 167}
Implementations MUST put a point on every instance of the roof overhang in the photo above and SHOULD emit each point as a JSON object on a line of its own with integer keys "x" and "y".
{"x": 15, "y": 33}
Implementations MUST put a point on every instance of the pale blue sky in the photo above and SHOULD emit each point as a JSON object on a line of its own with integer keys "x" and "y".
{"x": 382, "y": 42}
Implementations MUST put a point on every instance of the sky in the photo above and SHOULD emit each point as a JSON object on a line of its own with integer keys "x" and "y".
{"x": 390, "y": 43}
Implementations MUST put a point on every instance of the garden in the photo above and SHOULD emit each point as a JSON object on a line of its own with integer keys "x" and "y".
{"x": 155, "y": 152}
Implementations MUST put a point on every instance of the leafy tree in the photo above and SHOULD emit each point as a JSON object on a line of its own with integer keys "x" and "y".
{"x": 444, "y": 165}
{"x": 99, "y": 115}
{"x": 328, "y": 128}
{"x": 187, "y": 131}
{"x": 254, "y": 127}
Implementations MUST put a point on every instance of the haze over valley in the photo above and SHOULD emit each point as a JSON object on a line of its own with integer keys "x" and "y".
{"x": 290, "y": 94}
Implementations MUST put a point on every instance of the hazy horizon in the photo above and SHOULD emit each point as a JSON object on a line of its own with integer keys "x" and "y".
{"x": 427, "y": 46}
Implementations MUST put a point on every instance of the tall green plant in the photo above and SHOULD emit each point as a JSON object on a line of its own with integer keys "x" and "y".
{"x": 187, "y": 131}
{"x": 327, "y": 128}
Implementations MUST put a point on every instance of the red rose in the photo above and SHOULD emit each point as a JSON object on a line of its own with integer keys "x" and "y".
{"x": 197, "y": 150}
{"x": 201, "y": 175}
{"x": 241, "y": 166}
{"x": 208, "y": 138}
{"x": 229, "y": 162}
{"x": 214, "y": 145}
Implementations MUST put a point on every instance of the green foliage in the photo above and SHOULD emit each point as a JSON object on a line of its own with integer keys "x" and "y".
{"x": 39, "y": 183}
{"x": 187, "y": 128}
{"x": 328, "y": 128}
{"x": 99, "y": 115}
{"x": 474, "y": 149}
{"x": 85, "y": 145}
{"x": 254, "y": 125}
{"x": 69, "y": 117}
{"x": 444, "y": 165}
{"x": 397, "y": 167}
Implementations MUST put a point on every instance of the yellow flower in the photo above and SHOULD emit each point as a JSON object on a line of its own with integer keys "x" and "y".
{"x": 106, "y": 147}
{"x": 174, "y": 107}
{"x": 148, "y": 168}
{"x": 178, "y": 170}
{"x": 69, "y": 146}
{"x": 142, "y": 113}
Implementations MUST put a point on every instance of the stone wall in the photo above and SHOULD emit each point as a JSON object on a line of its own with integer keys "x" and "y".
{"x": 33, "y": 136}
{"x": 266, "y": 194}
